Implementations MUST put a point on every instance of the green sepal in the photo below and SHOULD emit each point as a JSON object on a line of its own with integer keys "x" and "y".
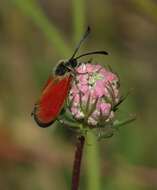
{"x": 117, "y": 124}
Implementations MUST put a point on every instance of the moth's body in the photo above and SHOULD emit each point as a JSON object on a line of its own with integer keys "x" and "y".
{"x": 56, "y": 89}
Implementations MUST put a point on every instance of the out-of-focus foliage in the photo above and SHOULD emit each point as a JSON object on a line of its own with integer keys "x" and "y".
{"x": 35, "y": 158}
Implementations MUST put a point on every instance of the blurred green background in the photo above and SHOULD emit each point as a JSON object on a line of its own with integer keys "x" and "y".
{"x": 34, "y": 35}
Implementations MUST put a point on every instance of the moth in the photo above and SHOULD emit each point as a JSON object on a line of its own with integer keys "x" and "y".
{"x": 55, "y": 91}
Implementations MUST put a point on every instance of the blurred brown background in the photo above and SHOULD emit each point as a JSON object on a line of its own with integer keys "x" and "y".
{"x": 34, "y": 158}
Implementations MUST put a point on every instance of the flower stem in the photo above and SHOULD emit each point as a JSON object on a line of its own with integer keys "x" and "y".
{"x": 77, "y": 163}
{"x": 92, "y": 163}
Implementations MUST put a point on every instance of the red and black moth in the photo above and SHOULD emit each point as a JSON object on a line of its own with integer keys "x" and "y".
{"x": 55, "y": 92}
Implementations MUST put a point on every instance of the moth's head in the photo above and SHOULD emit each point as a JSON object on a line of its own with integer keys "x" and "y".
{"x": 71, "y": 63}
{"x": 65, "y": 66}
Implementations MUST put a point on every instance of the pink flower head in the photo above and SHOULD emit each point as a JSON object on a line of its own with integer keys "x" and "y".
{"x": 93, "y": 95}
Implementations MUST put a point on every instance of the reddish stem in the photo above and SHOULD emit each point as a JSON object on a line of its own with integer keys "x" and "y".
{"x": 77, "y": 163}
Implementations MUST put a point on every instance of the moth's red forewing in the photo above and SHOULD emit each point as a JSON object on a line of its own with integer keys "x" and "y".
{"x": 52, "y": 100}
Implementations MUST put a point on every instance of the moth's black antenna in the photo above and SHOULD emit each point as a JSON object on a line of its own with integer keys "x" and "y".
{"x": 93, "y": 52}
{"x": 82, "y": 40}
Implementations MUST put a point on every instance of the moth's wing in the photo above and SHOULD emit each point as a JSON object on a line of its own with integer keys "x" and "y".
{"x": 52, "y": 100}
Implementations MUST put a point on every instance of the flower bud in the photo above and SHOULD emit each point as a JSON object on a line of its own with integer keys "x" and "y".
{"x": 94, "y": 94}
